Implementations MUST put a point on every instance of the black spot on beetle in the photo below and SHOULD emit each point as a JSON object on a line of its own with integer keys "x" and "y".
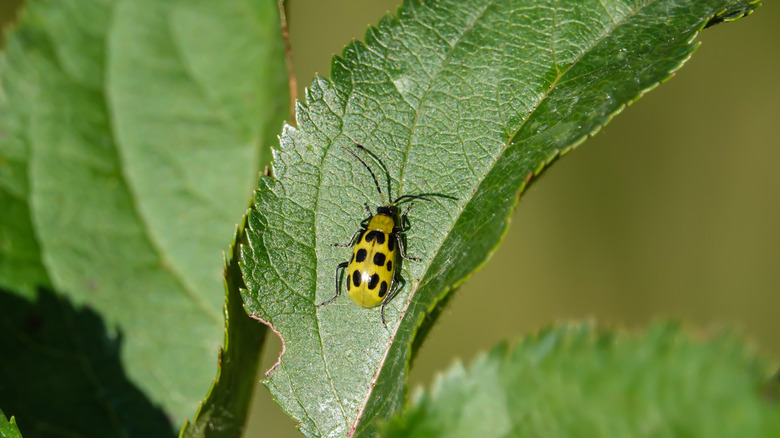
{"x": 380, "y": 237}
{"x": 390, "y": 244}
{"x": 356, "y": 278}
{"x": 382, "y": 289}
{"x": 361, "y": 255}
{"x": 372, "y": 282}
{"x": 370, "y": 236}
{"x": 390, "y": 265}
{"x": 379, "y": 259}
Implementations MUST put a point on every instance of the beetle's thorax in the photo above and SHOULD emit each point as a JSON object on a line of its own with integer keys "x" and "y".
{"x": 383, "y": 222}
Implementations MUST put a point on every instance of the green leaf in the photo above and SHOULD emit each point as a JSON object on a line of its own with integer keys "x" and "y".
{"x": 8, "y": 429}
{"x": 224, "y": 411}
{"x": 132, "y": 134}
{"x": 21, "y": 265}
{"x": 576, "y": 381}
{"x": 469, "y": 99}
{"x": 61, "y": 370}
{"x": 200, "y": 87}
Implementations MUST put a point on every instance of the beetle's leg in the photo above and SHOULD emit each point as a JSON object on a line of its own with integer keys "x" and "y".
{"x": 398, "y": 284}
{"x": 405, "y": 218}
{"x": 341, "y": 267}
{"x": 364, "y": 222}
{"x": 401, "y": 250}
{"x": 351, "y": 241}
{"x": 405, "y": 225}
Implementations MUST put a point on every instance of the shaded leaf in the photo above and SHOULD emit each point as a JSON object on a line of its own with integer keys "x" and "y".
{"x": 61, "y": 370}
{"x": 469, "y": 99}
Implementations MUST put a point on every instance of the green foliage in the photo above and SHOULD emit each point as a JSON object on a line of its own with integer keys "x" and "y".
{"x": 223, "y": 412}
{"x": 577, "y": 381}
{"x": 8, "y": 428}
{"x": 132, "y": 134}
{"x": 469, "y": 99}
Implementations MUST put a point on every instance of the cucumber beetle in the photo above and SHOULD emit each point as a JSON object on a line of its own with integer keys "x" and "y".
{"x": 373, "y": 277}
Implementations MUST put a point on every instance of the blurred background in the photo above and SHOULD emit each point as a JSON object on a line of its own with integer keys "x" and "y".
{"x": 671, "y": 211}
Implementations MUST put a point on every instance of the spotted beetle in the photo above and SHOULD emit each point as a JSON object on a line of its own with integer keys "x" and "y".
{"x": 372, "y": 273}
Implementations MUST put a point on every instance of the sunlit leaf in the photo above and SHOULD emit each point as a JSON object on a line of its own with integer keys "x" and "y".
{"x": 470, "y": 99}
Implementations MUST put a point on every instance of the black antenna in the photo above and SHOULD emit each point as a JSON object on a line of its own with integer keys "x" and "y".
{"x": 376, "y": 182}
{"x": 381, "y": 164}
{"x": 404, "y": 198}
{"x": 424, "y": 197}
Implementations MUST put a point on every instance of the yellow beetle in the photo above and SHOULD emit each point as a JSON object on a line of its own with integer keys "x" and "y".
{"x": 372, "y": 273}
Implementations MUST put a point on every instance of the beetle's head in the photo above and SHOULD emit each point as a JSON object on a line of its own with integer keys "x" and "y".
{"x": 387, "y": 210}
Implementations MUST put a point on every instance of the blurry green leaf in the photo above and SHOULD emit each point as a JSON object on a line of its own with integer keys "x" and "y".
{"x": 470, "y": 99}
{"x": 224, "y": 411}
{"x": 197, "y": 93}
{"x": 575, "y": 381}
{"x": 132, "y": 134}
{"x": 8, "y": 428}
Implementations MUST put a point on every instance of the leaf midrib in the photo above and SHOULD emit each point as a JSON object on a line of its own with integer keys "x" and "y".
{"x": 544, "y": 96}
{"x": 165, "y": 263}
{"x": 441, "y": 68}
{"x": 32, "y": 150}
{"x": 318, "y": 198}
